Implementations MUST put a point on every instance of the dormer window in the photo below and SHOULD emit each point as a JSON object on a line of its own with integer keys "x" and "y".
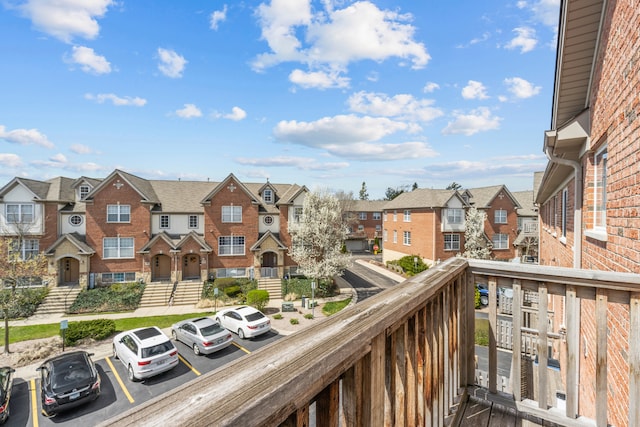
{"x": 83, "y": 191}
{"x": 267, "y": 196}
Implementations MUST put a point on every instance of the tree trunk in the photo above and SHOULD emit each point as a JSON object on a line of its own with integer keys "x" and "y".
{"x": 6, "y": 331}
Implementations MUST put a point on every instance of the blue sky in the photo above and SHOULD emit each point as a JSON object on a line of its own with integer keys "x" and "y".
{"x": 327, "y": 93}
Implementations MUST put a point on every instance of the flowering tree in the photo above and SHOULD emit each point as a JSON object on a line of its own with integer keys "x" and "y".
{"x": 318, "y": 237}
{"x": 475, "y": 242}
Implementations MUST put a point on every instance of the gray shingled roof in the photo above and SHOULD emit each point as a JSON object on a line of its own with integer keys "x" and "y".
{"x": 181, "y": 196}
{"x": 483, "y": 196}
{"x": 368, "y": 205}
{"x": 421, "y": 198}
{"x": 525, "y": 198}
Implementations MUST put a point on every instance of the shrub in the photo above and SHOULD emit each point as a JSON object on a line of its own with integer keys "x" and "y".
{"x": 232, "y": 291}
{"x": 258, "y": 298}
{"x": 233, "y": 287}
{"x": 308, "y": 316}
{"x": 117, "y": 297}
{"x": 411, "y": 264}
{"x": 27, "y": 300}
{"x": 98, "y": 329}
{"x": 302, "y": 286}
{"x": 277, "y": 316}
{"x": 293, "y": 321}
{"x": 476, "y": 299}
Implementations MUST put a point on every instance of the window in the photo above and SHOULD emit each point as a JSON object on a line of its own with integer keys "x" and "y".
{"x": 118, "y": 213}
{"x": 360, "y": 227}
{"x": 267, "y": 196}
{"x": 231, "y": 245}
{"x": 385, "y": 235}
{"x": 376, "y": 216}
{"x": 407, "y": 215}
{"x": 118, "y": 277}
{"x": 395, "y": 236}
{"x": 500, "y": 241}
{"x": 565, "y": 200}
{"x": 451, "y": 242}
{"x": 454, "y": 216}
{"x": 395, "y": 216}
{"x": 83, "y": 191}
{"x": 500, "y": 216}
{"x": 75, "y": 220}
{"x": 600, "y": 190}
{"x": 384, "y": 217}
{"x": 164, "y": 221}
{"x": 117, "y": 247}
{"x": 297, "y": 214}
{"x": 19, "y": 214}
{"x": 362, "y": 216}
{"x": 231, "y": 272}
{"x": 25, "y": 249}
{"x": 193, "y": 221}
{"x": 232, "y": 214}
{"x": 406, "y": 238}
{"x": 378, "y": 227}
{"x": 268, "y": 220}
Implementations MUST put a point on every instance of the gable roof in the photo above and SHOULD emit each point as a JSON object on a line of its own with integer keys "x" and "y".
{"x": 367, "y": 205}
{"x": 266, "y": 236}
{"x": 527, "y": 207}
{"x": 73, "y": 238}
{"x": 423, "y": 198}
{"x": 482, "y": 197}
{"x": 140, "y": 185}
{"x": 224, "y": 182}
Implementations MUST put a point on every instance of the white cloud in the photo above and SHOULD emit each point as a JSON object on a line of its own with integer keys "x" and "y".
{"x": 67, "y": 18}
{"x": 377, "y": 151}
{"x": 547, "y": 12}
{"x": 302, "y": 163}
{"x": 217, "y": 17}
{"x": 10, "y": 160}
{"x": 189, "y": 112}
{"x": 525, "y": 39}
{"x": 89, "y": 61}
{"x": 171, "y": 63}
{"x": 336, "y": 37}
{"x": 402, "y": 106}
{"x": 430, "y": 87}
{"x": 521, "y": 88}
{"x": 58, "y": 158}
{"x": 116, "y": 100}
{"x": 474, "y": 90}
{"x": 236, "y": 114}
{"x": 25, "y": 137}
{"x": 478, "y": 120}
{"x": 318, "y": 79}
{"x": 80, "y": 149}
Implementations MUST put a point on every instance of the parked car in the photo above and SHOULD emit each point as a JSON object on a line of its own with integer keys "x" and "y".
{"x": 68, "y": 380}
{"x": 484, "y": 294}
{"x": 246, "y": 321}
{"x": 145, "y": 352}
{"x": 6, "y": 384}
{"x": 204, "y": 335}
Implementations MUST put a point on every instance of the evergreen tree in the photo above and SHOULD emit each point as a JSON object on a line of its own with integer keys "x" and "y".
{"x": 364, "y": 195}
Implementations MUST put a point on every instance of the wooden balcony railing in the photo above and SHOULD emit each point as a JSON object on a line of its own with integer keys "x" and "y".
{"x": 406, "y": 357}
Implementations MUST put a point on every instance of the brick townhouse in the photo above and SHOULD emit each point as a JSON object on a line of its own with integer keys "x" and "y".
{"x": 365, "y": 223}
{"x": 125, "y": 228}
{"x": 589, "y": 197}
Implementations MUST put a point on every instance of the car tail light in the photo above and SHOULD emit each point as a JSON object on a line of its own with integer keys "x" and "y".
{"x": 252, "y": 326}
{"x": 2, "y": 409}
{"x": 229, "y": 337}
{"x": 207, "y": 343}
{"x": 143, "y": 362}
{"x": 173, "y": 353}
{"x": 96, "y": 385}
{"x": 49, "y": 400}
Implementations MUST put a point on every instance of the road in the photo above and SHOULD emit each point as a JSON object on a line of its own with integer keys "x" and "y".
{"x": 365, "y": 281}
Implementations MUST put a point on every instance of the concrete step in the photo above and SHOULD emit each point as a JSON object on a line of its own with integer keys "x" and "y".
{"x": 58, "y": 300}
{"x": 187, "y": 293}
{"x": 273, "y": 286}
{"x": 156, "y": 295}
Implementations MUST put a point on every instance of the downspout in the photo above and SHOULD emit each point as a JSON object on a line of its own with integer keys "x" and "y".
{"x": 577, "y": 211}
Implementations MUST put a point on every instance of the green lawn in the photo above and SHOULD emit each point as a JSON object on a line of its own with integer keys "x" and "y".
{"x": 333, "y": 307}
{"x": 32, "y": 332}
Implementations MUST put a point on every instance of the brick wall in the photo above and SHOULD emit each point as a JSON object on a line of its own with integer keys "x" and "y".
{"x": 510, "y": 228}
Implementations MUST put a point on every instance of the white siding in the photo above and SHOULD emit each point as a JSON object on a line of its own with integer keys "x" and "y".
{"x": 21, "y": 195}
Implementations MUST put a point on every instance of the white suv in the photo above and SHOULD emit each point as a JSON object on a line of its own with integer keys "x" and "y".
{"x": 145, "y": 352}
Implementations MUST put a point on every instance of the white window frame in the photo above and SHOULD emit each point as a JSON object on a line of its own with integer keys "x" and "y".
{"x": 192, "y": 221}
{"x": 362, "y": 216}
{"x": 232, "y": 213}
{"x": 122, "y": 249}
{"x": 118, "y": 277}
{"x": 29, "y": 248}
{"x": 20, "y": 214}
{"x": 267, "y": 196}
{"x": 378, "y": 227}
{"x": 376, "y": 216}
{"x": 565, "y": 202}
{"x": 118, "y": 213}
{"x": 407, "y": 215}
{"x": 455, "y": 216}
{"x": 395, "y": 216}
{"x": 406, "y": 238}
{"x": 231, "y": 245}
{"x": 83, "y": 190}
{"x": 385, "y": 235}
{"x": 360, "y": 227}
{"x": 164, "y": 221}
{"x": 600, "y": 190}
{"x": 73, "y": 224}
{"x": 384, "y": 216}
{"x": 451, "y": 242}
{"x": 297, "y": 214}
{"x": 395, "y": 236}
{"x": 498, "y": 245}
{"x": 500, "y": 216}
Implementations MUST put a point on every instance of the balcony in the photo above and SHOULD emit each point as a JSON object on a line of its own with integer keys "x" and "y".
{"x": 408, "y": 357}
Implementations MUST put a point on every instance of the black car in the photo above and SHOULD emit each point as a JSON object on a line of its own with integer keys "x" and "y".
{"x": 68, "y": 380}
{"x": 6, "y": 384}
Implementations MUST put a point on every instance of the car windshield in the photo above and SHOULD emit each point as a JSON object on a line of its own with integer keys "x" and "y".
{"x": 70, "y": 372}
{"x": 255, "y": 316}
{"x": 157, "y": 349}
{"x": 212, "y": 329}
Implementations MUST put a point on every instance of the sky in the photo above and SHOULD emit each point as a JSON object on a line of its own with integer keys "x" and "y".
{"x": 329, "y": 94}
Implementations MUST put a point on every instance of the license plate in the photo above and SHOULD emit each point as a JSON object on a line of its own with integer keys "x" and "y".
{"x": 161, "y": 361}
{"x": 74, "y": 396}
{"x": 262, "y": 326}
{"x": 219, "y": 341}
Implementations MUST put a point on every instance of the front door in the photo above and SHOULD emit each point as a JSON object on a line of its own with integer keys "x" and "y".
{"x": 161, "y": 268}
{"x": 191, "y": 266}
{"x": 269, "y": 267}
{"x": 70, "y": 274}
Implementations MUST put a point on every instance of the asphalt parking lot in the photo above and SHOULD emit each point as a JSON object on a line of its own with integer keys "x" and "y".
{"x": 118, "y": 394}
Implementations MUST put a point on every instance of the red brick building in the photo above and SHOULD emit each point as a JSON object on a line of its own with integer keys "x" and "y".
{"x": 589, "y": 199}
{"x": 124, "y": 228}
{"x": 365, "y": 224}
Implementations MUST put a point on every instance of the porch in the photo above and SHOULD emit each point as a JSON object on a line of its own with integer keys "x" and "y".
{"x": 407, "y": 357}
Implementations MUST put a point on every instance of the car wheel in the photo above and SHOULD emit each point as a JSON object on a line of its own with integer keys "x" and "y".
{"x": 174, "y": 335}
{"x": 241, "y": 333}
{"x": 196, "y": 350}
{"x": 115, "y": 353}
{"x": 484, "y": 300}
{"x": 130, "y": 374}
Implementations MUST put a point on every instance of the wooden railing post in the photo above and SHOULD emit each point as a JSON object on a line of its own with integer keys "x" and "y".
{"x": 543, "y": 347}
{"x": 327, "y": 405}
{"x": 516, "y": 359}
{"x": 469, "y": 327}
{"x": 634, "y": 359}
{"x": 377, "y": 390}
{"x": 493, "y": 322}
{"x": 601, "y": 357}
{"x": 572, "y": 308}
